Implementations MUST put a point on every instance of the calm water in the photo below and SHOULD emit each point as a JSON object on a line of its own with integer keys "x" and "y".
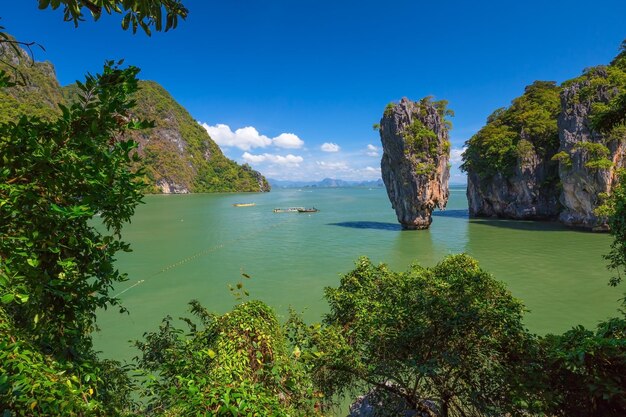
{"x": 193, "y": 246}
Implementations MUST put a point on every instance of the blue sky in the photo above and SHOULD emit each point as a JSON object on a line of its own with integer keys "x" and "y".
{"x": 275, "y": 81}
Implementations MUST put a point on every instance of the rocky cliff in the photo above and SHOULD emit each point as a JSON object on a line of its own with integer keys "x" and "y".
{"x": 509, "y": 161}
{"x": 589, "y": 158}
{"x": 544, "y": 157}
{"x": 37, "y": 91}
{"x": 414, "y": 165}
{"x": 178, "y": 154}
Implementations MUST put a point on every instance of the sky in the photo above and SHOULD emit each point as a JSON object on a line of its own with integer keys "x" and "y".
{"x": 293, "y": 87}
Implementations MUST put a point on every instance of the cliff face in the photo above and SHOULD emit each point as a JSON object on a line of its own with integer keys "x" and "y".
{"x": 588, "y": 158}
{"x": 509, "y": 161}
{"x": 37, "y": 91}
{"x": 546, "y": 156}
{"x": 522, "y": 195}
{"x": 178, "y": 154}
{"x": 414, "y": 165}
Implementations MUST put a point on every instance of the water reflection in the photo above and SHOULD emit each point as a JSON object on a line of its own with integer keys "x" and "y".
{"x": 456, "y": 213}
{"x": 368, "y": 225}
{"x": 539, "y": 226}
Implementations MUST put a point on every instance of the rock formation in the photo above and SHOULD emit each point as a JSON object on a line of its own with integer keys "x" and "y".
{"x": 520, "y": 196}
{"x": 414, "y": 165}
{"x": 546, "y": 159}
{"x": 588, "y": 159}
{"x": 510, "y": 172}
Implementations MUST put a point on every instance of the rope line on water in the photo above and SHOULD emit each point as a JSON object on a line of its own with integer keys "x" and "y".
{"x": 204, "y": 252}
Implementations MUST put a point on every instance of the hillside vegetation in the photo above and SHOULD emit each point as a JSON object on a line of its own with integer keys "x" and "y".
{"x": 178, "y": 155}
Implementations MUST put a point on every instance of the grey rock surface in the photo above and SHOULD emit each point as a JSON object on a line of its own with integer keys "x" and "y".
{"x": 583, "y": 186}
{"x": 416, "y": 182}
{"x": 522, "y": 195}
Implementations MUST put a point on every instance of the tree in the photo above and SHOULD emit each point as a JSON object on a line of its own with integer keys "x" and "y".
{"x": 235, "y": 364}
{"x": 445, "y": 341}
{"x": 147, "y": 14}
{"x": 56, "y": 266}
{"x": 614, "y": 208}
{"x": 582, "y": 372}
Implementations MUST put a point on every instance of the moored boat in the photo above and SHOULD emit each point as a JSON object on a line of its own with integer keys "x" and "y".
{"x": 244, "y": 204}
{"x": 288, "y": 210}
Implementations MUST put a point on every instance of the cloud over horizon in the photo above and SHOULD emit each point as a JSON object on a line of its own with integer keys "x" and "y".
{"x": 287, "y": 160}
{"x": 247, "y": 138}
{"x": 372, "y": 150}
{"x": 330, "y": 147}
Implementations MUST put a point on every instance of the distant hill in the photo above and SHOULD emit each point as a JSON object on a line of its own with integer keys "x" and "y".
{"x": 178, "y": 155}
{"x": 325, "y": 183}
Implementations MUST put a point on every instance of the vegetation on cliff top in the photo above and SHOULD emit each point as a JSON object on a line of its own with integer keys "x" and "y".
{"x": 528, "y": 126}
{"x": 420, "y": 141}
{"x": 200, "y": 165}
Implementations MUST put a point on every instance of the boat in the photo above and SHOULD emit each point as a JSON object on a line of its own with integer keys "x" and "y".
{"x": 307, "y": 210}
{"x": 288, "y": 210}
{"x": 244, "y": 204}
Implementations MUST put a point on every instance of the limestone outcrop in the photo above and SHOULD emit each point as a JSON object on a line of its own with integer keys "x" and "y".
{"x": 510, "y": 171}
{"x": 414, "y": 165}
{"x": 589, "y": 159}
{"x": 523, "y": 195}
{"x": 546, "y": 157}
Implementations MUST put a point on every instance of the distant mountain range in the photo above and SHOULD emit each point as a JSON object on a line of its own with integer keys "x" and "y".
{"x": 325, "y": 183}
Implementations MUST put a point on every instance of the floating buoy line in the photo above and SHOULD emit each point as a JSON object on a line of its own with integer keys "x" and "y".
{"x": 204, "y": 252}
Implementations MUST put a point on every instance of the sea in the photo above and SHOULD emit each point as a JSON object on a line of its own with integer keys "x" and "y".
{"x": 195, "y": 246}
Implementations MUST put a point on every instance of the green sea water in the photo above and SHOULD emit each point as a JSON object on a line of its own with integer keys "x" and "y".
{"x": 192, "y": 246}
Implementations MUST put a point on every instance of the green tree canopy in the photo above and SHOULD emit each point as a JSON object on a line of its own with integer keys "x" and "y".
{"x": 147, "y": 14}
{"x": 451, "y": 335}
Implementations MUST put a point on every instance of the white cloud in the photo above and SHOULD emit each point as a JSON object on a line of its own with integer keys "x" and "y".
{"x": 456, "y": 155}
{"x": 245, "y": 138}
{"x": 372, "y": 169}
{"x": 330, "y": 147}
{"x": 287, "y": 140}
{"x": 333, "y": 166}
{"x": 287, "y": 160}
{"x": 248, "y": 138}
{"x": 372, "y": 150}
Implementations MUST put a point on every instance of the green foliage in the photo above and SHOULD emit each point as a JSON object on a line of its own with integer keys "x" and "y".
{"x": 56, "y": 268}
{"x": 583, "y": 371}
{"x": 419, "y": 138}
{"x": 491, "y": 151}
{"x": 421, "y": 142}
{"x": 564, "y": 158}
{"x": 236, "y": 364}
{"x": 200, "y": 166}
{"x": 597, "y": 155}
{"x": 32, "y": 89}
{"x": 35, "y": 383}
{"x": 160, "y": 14}
{"x": 614, "y": 208}
{"x": 530, "y": 120}
{"x": 389, "y": 109}
{"x": 451, "y": 334}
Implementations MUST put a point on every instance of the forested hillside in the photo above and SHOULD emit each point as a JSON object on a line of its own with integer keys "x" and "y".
{"x": 178, "y": 155}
